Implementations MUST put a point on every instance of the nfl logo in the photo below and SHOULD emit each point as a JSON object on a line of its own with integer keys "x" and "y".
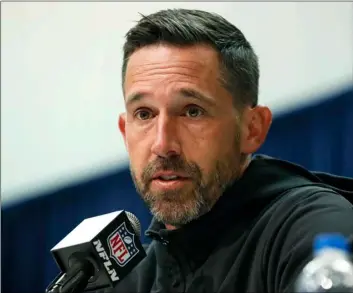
{"x": 122, "y": 245}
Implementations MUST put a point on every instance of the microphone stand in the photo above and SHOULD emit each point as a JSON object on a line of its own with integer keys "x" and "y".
{"x": 54, "y": 286}
{"x": 75, "y": 280}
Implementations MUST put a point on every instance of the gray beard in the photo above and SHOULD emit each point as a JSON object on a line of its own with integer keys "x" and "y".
{"x": 179, "y": 207}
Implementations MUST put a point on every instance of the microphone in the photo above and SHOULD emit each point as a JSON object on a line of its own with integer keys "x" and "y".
{"x": 98, "y": 253}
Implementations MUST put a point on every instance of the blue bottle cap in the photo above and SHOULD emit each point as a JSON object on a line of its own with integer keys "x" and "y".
{"x": 336, "y": 241}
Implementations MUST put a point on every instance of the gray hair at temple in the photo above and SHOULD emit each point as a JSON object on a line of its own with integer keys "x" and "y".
{"x": 239, "y": 72}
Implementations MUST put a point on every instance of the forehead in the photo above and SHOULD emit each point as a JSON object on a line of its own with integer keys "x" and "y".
{"x": 197, "y": 63}
{"x": 165, "y": 53}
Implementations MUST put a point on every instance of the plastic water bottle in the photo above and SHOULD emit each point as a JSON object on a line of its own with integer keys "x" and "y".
{"x": 331, "y": 269}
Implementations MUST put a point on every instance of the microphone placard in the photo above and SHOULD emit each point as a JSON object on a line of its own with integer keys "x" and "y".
{"x": 109, "y": 241}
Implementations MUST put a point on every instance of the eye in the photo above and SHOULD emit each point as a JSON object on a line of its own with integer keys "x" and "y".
{"x": 143, "y": 114}
{"x": 194, "y": 112}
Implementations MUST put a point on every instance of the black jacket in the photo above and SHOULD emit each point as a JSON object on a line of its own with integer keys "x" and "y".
{"x": 257, "y": 237}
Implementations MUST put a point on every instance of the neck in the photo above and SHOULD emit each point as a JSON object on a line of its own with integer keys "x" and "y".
{"x": 244, "y": 165}
{"x": 170, "y": 227}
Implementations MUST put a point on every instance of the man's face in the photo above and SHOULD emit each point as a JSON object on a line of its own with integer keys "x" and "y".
{"x": 181, "y": 130}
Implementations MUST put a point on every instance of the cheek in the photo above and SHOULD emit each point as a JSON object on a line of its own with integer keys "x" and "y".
{"x": 213, "y": 138}
{"x": 138, "y": 150}
{"x": 198, "y": 145}
{"x": 136, "y": 136}
{"x": 210, "y": 145}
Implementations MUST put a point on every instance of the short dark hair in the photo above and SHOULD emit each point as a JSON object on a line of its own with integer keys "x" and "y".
{"x": 183, "y": 27}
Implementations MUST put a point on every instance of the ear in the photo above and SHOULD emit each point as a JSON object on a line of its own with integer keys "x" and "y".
{"x": 122, "y": 125}
{"x": 255, "y": 126}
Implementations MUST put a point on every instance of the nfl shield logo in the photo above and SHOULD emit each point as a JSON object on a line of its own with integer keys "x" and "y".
{"x": 122, "y": 245}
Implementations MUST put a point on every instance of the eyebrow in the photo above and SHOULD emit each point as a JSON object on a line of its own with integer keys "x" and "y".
{"x": 185, "y": 92}
{"x": 191, "y": 93}
{"x": 135, "y": 97}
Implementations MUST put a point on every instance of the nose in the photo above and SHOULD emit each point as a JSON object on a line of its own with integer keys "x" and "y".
{"x": 166, "y": 142}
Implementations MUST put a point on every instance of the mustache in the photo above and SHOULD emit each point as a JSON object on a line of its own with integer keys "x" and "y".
{"x": 176, "y": 164}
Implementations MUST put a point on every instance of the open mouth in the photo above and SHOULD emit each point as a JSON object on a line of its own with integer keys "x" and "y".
{"x": 170, "y": 178}
{"x": 169, "y": 182}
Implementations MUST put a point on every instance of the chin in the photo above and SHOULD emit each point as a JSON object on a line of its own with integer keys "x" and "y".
{"x": 175, "y": 213}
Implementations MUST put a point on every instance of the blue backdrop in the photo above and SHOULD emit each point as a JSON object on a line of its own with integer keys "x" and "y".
{"x": 319, "y": 137}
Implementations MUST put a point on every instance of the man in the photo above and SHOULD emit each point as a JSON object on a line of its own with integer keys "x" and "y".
{"x": 223, "y": 221}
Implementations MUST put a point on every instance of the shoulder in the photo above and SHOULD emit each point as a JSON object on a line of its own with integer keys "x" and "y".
{"x": 299, "y": 216}
{"x": 306, "y": 211}
{"x": 309, "y": 199}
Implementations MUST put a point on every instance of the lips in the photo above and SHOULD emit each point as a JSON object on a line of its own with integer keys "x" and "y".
{"x": 169, "y": 181}
{"x": 169, "y": 176}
